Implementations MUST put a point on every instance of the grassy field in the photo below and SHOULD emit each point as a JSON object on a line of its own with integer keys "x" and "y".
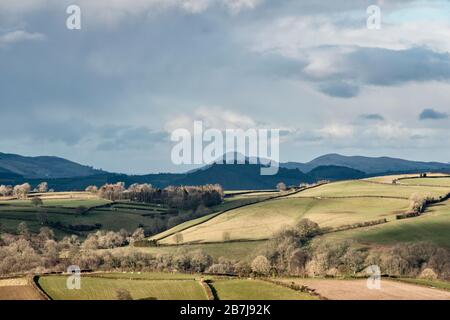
{"x": 228, "y": 204}
{"x": 97, "y": 288}
{"x": 433, "y": 226}
{"x": 260, "y": 221}
{"x": 64, "y": 208}
{"x": 235, "y": 289}
{"x": 331, "y": 205}
{"x": 439, "y": 284}
{"x": 361, "y": 188}
{"x": 432, "y": 182}
{"x": 390, "y": 178}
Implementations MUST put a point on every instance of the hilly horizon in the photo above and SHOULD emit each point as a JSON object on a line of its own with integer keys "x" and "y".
{"x": 63, "y": 174}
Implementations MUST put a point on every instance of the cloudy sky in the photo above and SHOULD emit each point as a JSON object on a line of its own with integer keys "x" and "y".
{"x": 110, "y": 94}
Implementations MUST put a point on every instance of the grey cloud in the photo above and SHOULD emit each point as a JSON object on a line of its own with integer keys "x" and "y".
{"x": 372, "y": 116}
{"x": 381, "y": 67}
{"x": 339, "y": 89}
{"x": 431, "y": 114}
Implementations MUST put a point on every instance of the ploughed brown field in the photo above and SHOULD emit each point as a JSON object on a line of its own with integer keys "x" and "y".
{"x": 357, "y": 290}
{"x": 17, "y": 289}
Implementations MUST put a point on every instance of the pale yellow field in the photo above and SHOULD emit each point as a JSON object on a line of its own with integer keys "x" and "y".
{"x": 363, "y": 188}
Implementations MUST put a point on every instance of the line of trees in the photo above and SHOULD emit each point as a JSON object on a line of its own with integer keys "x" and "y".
{"x": 183, "y": 197}
{"x": 21, "y": 191}
{"x": 291, "y": 252}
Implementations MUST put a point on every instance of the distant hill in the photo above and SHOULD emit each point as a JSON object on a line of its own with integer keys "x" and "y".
{"x": 44, "y": 167}
{"x": 242, "y": 177}
{"x": 6, "y": 174}
{"x": 335, "y": 173}
{"x": 367, "y": 164}
{"x": 64, "y": 175}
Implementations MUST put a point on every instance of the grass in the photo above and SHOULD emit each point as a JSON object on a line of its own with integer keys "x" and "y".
{"x": 433, "y": 226}
{"x": 255, "y": 290}
{"x": 228, "y": 204}
{"x": 330, "y": 205}
{"x": 438, "y": 284}
{"x": 363, "y": 188}
{"x": 432, "y": 182}
{"x": 260, "y": 221}
{"x": 97, "y": 288}
{"x": 148, "y": 276}
{"x": 62, "y": 207}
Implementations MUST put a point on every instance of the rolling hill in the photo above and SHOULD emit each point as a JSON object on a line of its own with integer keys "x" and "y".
{"x": 369, "y": 165}
{"x": 44, "y": 167}
{"x": 333, "y": 206}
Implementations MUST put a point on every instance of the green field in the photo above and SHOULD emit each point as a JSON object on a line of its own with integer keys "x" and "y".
{"x": 64, "y": 208}
{"x": 439, "y": 181}
{"x": 97, "y": 288}
{"x": 363, "y": 188}
{"x": 165, "y": 286}
{"x": 262, "y": 220}
{"x": 439, "y": 284}
{"x": 228, "y": 204}
{"x": 433, "y": 226}
{"x": 255, "y": 290}
{"x": 331, "y": 205}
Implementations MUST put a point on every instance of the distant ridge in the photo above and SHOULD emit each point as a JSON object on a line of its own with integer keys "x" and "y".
{"x": 65, "y": 175}
{"x": 369, "y": 165}
{"x": 44, "y": 167}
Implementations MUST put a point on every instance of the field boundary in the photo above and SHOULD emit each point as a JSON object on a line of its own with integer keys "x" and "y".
{"x": 33, "y": 281}
{"x": 208, "y": 290}
{"x": 295, "y": 287}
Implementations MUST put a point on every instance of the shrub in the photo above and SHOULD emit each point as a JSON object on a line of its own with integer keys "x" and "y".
{"x": 429, "y": 274}
{"x": 260, "y": 265}
{"x": 123, "y": 294}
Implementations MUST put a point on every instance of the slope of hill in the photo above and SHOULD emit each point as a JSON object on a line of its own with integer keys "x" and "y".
{"x": 8, "y": 175}
{"x": 44, "y": 167}
{"x": 368, "y": 165}
{"x": 335, "y": 173}
{"x": 334, "y": 205}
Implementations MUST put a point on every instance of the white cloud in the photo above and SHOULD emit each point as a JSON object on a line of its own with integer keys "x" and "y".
{"x": 338, "y": 131}
{"x": 111, "y": 12}
{"x": 212, "y": 117}
{"x": 19, "y": 36}
{"x": 235, "y": 6}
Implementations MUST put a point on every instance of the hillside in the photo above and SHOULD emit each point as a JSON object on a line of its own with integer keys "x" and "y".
{"x": 44, "y": 167}
{"x": 369, "y": 165}
{"x": 332, "y": 205}
{"x": 335, "y": 173}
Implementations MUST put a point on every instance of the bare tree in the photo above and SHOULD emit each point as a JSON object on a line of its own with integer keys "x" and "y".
{"x": 281, "y": 186}
{"x": 260, "y": 265}
{"x": 42, "y": 187}
{"x": 21, "y": 191}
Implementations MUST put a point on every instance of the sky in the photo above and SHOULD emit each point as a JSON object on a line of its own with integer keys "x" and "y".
{"x": 110, "y": 94}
